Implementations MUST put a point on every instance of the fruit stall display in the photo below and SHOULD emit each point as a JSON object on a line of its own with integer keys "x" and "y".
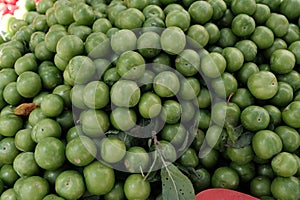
{"x": 149, "y": 99}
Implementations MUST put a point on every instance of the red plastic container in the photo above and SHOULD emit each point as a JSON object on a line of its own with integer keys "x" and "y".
{"x": 223, "y": 194}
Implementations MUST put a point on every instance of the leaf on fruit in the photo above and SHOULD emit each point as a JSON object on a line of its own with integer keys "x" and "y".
{"x": 244, "y": 140}
{"x": 233, "y": 132}
{"x": 153, "y": 176}
{"x": 175, "y": 185}
{"x": 112, "y": 132}
{"x": 188, "y": 171}
{"x": 25, "y": 109}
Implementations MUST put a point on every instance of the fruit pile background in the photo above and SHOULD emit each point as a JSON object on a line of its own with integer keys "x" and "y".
{"x": 149, "y": 99}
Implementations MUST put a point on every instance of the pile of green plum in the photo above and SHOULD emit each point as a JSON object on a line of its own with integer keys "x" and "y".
{"x": 150, "y": 99}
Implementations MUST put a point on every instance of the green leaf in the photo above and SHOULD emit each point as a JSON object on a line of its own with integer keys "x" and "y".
{"x": 244, "y": 140}
{"x": 175, "y": 185}
{"x": 233, "y": 132}
{"x": 188, "y": 171}
{"x": 153, "y": 176}
{"x": 112, "y": 132}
